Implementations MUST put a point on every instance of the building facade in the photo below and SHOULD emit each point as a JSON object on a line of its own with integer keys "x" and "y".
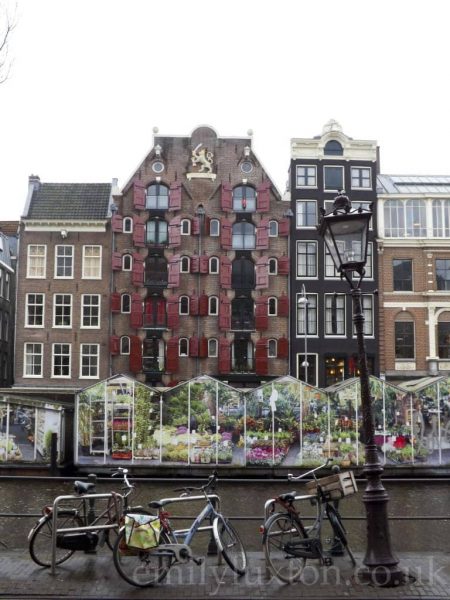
{"x": 321, "y": 324}
{"x": 200, "y": 265}
{"x": 8, "y": 249}
{"x": 414, "y": 283}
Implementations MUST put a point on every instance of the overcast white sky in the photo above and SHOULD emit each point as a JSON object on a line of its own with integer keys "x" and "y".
{"x": 91, "y": 78}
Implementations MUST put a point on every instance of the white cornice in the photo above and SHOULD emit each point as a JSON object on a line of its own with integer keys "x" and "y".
{"x": 314, "y": 148}
{"x": 68, "y": 225}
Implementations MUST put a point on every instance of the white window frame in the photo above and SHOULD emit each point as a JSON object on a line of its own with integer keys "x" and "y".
{"x": 69, "y": 354}
{"x": 272, "y": 313}
{"x": 303, "y": 275}
{"x": 86, "y": 268}
{"x": 368, "y": 267}
{"x": 274, "y": 261}
{"x": 63, "y": 305}
{"x": 127, "y": 258}
{"x": 37, "y": 256}
{"x": 188, "y": 228}
{"x": 329, "y": 265}
{"x": 273, "y": 228}
{"x": 188, "y": 305}
{"x": 125, "y": 312}
{"x": 184, "y": 340}
{"x": 213, "y": 353}
{"x": 301, "y": 370}
{"x": 332, "y": 190}
{"x": 127, "y": 225}
{"x": 33, "y": 354}
{"x": 300, "y": 214}
{"x": 361, "y": 168}
{"x": 306, "y": 175}
{"x": 210, "y": 301}
{"x": 216, "y": 223}
{"x": 27, "y": 305}
{"x": 122, "y": 340}
{"x": 64, "y": 257}
{"x": 326, "y": 309}
{"x": 185, "y": 260}
{"x": 310, "y": 312}
{"x": 273, "y": 353}
{"x": 366, "y": 320}
{"x": 89, "y": 306}
{"x": 90, "y": 355}
{"x": 211, "y": 261}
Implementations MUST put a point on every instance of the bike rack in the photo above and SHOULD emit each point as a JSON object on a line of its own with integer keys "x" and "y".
{"x": 269, "y": 504}
{"x": 86, "y": 498}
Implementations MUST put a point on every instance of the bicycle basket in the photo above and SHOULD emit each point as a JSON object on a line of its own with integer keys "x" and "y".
{"x": 336, "y": 486}
{"x": 142, "y": 531}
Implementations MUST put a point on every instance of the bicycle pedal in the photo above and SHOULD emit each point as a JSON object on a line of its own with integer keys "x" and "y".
{"x": 199, "y": 560}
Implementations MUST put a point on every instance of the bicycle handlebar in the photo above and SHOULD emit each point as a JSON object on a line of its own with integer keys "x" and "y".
{"x": 212, "y": 479}
{"x": 124, "y": 472}
{"x": 291, "y": 477}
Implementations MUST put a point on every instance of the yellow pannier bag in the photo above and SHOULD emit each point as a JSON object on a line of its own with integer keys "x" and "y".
{"x": 142, "y": 531}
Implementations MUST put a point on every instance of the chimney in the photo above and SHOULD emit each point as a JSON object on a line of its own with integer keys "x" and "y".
{"x": 34, "y": 182}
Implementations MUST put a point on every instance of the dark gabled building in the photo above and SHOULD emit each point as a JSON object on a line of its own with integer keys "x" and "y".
{"x": 8, "y": 255}
{"x": 320, "y": 168}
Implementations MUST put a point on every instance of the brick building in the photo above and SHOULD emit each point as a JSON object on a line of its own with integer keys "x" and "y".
{"x": 200, "y": 265}
{"x": 414, "y": 283}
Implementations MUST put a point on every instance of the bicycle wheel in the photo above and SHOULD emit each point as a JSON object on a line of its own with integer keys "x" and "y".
{"x": 40, "y": 540}
{"x": 339, "y": 530}
{"x": 230, "y": 545}
{"x": 142, "y": 568}
{"x": 280, "y": 533}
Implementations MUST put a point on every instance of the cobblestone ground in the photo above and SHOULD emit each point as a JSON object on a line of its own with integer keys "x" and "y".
{"x": 94, "y": 576}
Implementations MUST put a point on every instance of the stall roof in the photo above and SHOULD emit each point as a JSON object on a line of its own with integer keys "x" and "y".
{"x": 283, "y": 379}
{"x": 418, "y": 384}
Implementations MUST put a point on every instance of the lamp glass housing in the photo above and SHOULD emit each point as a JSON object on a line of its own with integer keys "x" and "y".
{"x": 346, "y": 237}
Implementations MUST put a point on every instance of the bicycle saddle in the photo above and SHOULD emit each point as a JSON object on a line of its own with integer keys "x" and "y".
{"x": 288, "y": 497}
{"x": 83, "y": 487}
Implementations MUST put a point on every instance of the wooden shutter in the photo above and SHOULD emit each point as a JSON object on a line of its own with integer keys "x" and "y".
{"x": 136, "y": 314}
{"x": 261, "y": 318}
{"x": 116, "y": 261}
{"x": 203, "y": 305}
{"x": 114, "y": 345}
{"x": 175, "y": 232}
{"x": 226, "y": 198}
{"x": 138, "y": 232}
{"x": 193, "y": 305}
{"x": 137, "y": 275}
{"x": 262, "y": 273}
{"x": 173, "y": 312}
{"x": 172, "y": 355}
{"x": 284, "y": 226}
{"x": 203, "y": 347}
{"x": 117, "y": 223}
{"x": 225, "y": 234}
{"x": 195, "y": 226}
{"x": 204, "y": 264}
{"x": 138, "y": 195}
{"x": 262, "y": 235}
{"x": 115, "y": 302}
{"x": 263, "y": 197}
{"x": 175, "y": 196}
{"x": 225, "y": 273}
{"x": 283, "y": 348}
{"x": 193, "y": 346}
{"x": 283, "y": 265}
{"x": 174, "y": 271}
{"x": 224, "y": 356}
{"x": 161, "y": 312}
{"x": 224, "y": 312}
{"x": 135, "y": 354}
{"x": 195, "y": 263}
{"x": 261, "y": 360}
{"x": 283, "y": 306}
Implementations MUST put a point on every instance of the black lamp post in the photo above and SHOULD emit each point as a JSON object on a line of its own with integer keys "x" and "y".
{"x": 345, "y": 231}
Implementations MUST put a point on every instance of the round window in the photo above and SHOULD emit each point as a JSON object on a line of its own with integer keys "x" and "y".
{"x": 246, "y": 166}
{"x": 158, "y": 166}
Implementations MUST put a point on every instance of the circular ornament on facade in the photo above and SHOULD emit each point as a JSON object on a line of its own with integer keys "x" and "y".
{"x": 158, "y": 166}
{"x": 246, "y": 166}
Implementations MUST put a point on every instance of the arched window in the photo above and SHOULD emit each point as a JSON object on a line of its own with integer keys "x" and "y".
{"x": 244, "y": 199}
{"x": 184, "y": 305}
{"x": 405, "y": 218}
{"x": 272, "y": 308}
{"x": 243, "y": 274}
{"x": 127, "y": 262}
{"x": 333, "y": 148}
{"x": 242, "y": 314}
{"x": 213, "y": 265}
{"x": 124, "y": 345}
{"x": 156, "y": 231}
{"x": 127, "y": 225}
{"x": 185, "y": 227}
{"x": 244, "y": 236}
{"x": 185, "y": 264}
{"x": 212, "y": 347}
{"x": 273, "y": 228}
{"x": 156, "y": 270}
{"x": 272, "y": 349}
{"x": 213, "y": 305}
{"x": 273, "y": 266}
{"x": 214, "y": 227}
{"x": 125, "y": 303}
{"x": 183, "y": 347}
{"x": 157, "y": 196}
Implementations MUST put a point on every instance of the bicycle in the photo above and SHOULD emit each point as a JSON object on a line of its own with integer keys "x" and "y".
{"x": 145, "y": 568}
{"x": 288, "y": 543}
{"x": 40, "y": 537}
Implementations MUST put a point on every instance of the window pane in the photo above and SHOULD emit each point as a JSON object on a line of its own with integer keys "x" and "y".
{"x": 361, "y": 177}
{"x": 244, "y": 199}
{"x": 334, "y": 178}
{"x": 61, "y": 360}
{"x": 92, "y": 262}
{"x": 306, "y": 259}
{"x": 404, "y": 339}
{"x": 310, "y": 311}
{"x": 157, "y": 197}
{"x": 306, "y": 213}
{"x": 91, "y": 311}
{"x": 443, "y": 274}
{"x": 64, "y": 261}
{"x": 36, "y": 261}
{"x": 306, "y": 176}
{"x": 402, "y": 275}
{"x": 335, "y": 314}
{"x": 89, "y": 360}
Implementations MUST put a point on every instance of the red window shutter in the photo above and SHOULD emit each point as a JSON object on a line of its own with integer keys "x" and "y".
{"x": 174, "y": 271}
{"x": 175, "y": 196}
{"x": 195, "y": 226}
{"x": 117, "y": 223}
{"x": 283, "y": 348}
{"x": 203, "y": 305}
{"x": 137, "y": 276}
{"x": 284, "y": 226}
{"x": 283, "y": 265}
{"x": 225, "y": 273}
{"x": 262, "y": 235}
{"x": 135, "y": 354}
{"x": 195, "y": 263}
{"x": 224, "y": 312}
{"x": 138, "y": 195}
{"x": 193, "y": 346}
{"x": 283, "y": 306}
{"x": 173, "y": 312}
{"x": 261, "y": 361}
{"x": 224, "y": 355}
{"x": 203, "y": 347}
{"x": 172, "y": 355}
{"x": 193, "y": 305}
{"x": 175, "y": 232}
{"x": 204, "y": 264}
{"x": 115, "y": 302}
{"x": 261, "y": 318}
{"x": 114, "y": 344}
{"x": 263, "y": 197}
{"x": 136, "y": 315}
{"x": 225, "y": 234}
{"x": 138, "y": 232}
{"x": 116, "y": 261}
{"x": 262, "y": 273}
{"x": 226, "y": 199}
{"x": 161, "y": 312}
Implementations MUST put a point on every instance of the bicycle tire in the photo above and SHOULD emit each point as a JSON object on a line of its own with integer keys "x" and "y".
{"x": 230, "y": 545}
{"x": 279, "y": 530}
{"x": 339, "y": 529}
{"x": 40, "y": 542}
{"x": 141, "y": 568}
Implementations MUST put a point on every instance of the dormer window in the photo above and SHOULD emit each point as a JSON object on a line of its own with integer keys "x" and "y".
{"x": 333, "y": 148}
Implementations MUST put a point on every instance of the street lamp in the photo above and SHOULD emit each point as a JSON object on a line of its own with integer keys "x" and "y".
{"x": 304, "y": 301}
{"x": 345, "y": 232}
